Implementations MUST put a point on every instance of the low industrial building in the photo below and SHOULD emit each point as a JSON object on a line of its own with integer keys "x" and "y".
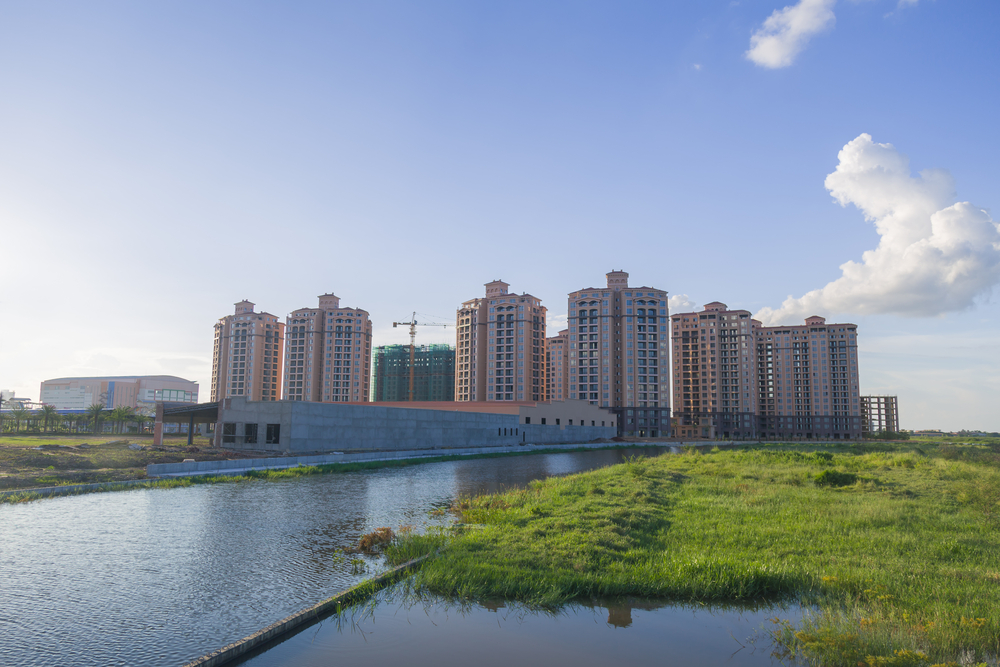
{"x": 304, "y": 427}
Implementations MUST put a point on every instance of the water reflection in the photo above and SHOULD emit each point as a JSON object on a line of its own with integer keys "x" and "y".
{"x": 154, "y": 576}
{"x": 397, "y": 630}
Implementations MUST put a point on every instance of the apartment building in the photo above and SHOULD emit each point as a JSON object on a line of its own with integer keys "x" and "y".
{"x": 247, "y": 355}
{"x": 618, "y": 353}
{"x": 714, "y": 373}
{"x": 433, "y": 373}
{"x": 500, "y": 343}
{"x": 328, "y": 353}
{"x": 807, "y": 381}
{"x": 798, "y": 381}
{"x": 557, "y": 366}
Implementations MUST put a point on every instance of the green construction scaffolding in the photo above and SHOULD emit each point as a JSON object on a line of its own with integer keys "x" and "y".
{"x": 433, "y": 373}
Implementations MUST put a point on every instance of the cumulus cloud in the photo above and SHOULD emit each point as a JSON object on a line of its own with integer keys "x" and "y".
{"x": 787, "y": 31}
{"x": 556, "y": 322}
{"x": 680, "y": 303}
{"x": 933, "y": 257}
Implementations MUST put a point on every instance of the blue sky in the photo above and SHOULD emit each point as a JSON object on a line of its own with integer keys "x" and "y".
{"x": 160, "y": 161}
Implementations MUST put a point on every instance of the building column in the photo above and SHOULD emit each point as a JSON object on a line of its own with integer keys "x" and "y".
{"x": 190, "y": 429}
{"x": 158, "y": 425}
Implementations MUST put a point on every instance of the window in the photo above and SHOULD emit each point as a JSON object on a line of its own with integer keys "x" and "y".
{"x": 229, "y": 433}
{"x": 250, "y": 434}
{"x": 273, "y": 434}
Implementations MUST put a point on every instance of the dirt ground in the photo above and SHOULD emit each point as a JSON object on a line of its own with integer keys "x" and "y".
{"x": 51, "y": 460}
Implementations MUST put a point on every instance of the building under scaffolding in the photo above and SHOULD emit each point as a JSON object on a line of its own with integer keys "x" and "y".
{"x": 879, "y": 414}
{"x": 433, "y": 373}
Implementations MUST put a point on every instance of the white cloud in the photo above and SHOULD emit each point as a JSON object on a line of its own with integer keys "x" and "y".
{"x": 555, "y": 323}
{"x": 787, "y": 31}
{"x": 681, "y": 303}
{"x": 934, "y": 257}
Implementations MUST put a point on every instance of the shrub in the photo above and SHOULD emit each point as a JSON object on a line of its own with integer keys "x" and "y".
{"x": 375, "y": 539}
{"x": 834, "y": 478}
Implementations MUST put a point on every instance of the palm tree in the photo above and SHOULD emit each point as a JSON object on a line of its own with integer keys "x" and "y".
{"x": 49, "y": 413}
{"x": 95, "y": 413}
{"x": 19, "y": 413}
{"x": 120, "y": 415}
{"x": 140, "y": 421}
{"x": 131, "y": 416}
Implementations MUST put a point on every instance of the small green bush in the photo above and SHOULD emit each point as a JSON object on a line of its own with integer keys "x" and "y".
{"x": 834, "y": 478}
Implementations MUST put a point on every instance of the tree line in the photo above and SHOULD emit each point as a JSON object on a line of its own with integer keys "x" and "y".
{"x": 94, "y": 418}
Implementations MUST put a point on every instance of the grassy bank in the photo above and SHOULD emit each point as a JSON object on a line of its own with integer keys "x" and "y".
{"x": 902, "y": 562}
{"x": 31, "y": 461}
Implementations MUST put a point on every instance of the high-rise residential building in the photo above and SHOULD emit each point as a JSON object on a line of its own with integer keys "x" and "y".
{"x": 714, "y": 373}
{"x": 433, "y": 373}
{"x": 246, "y": 359}
{"x": 879, "y": 414}
{"x": 557, "y": 366}
{"x": 735, "y": 378}
{"x": 500, "y": 347}
{"x": 328, "y": 353}
{"x": 618, "y": 353}
{"x": 813, "y": 391}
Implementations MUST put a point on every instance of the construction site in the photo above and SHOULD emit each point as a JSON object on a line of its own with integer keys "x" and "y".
{"x": 432, "y": 377}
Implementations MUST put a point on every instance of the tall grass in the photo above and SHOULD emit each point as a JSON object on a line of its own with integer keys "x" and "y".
{"x": 904, "y": 559}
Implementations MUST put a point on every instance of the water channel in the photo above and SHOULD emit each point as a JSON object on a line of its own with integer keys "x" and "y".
{"x": 162, "y": 576}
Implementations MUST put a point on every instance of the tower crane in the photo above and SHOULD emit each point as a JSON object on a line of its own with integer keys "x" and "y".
{"x": 413, "y": 324}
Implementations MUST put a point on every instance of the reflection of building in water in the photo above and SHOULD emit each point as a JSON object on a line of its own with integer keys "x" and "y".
{"x": 620, "y": 617}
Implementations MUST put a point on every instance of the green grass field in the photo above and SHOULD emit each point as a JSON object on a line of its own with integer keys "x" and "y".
{"x": 901, "y": 565}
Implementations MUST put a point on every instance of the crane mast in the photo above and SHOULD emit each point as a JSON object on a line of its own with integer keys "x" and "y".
{"x": 413, "y": 324}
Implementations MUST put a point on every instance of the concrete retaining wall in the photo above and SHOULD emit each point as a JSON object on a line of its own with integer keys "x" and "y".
{"x": 304, "y": 618}
{"x": 321, "y": 427}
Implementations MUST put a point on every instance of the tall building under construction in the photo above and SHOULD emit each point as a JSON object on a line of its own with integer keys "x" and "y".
{"x": 433, "y": 373}
{"x": 879, "y": 414}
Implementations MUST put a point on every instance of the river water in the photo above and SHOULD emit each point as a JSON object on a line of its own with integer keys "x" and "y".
{"x": 162, "y": 576}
